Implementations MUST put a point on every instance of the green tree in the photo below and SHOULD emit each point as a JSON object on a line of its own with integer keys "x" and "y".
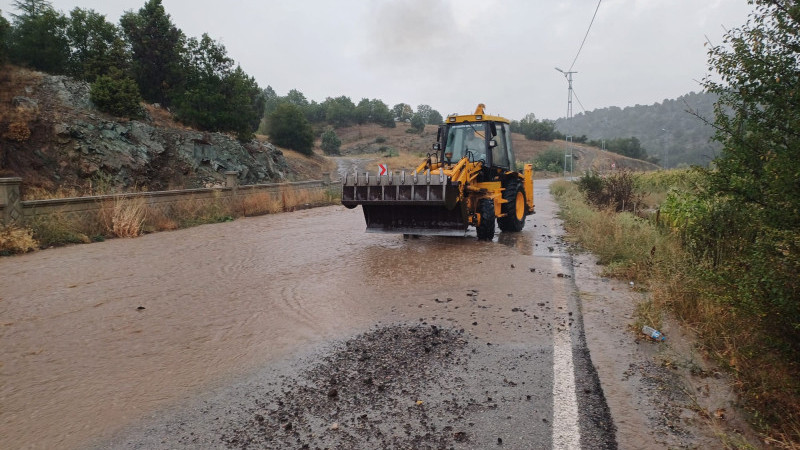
{"x": 271, "y": 100}
{"x": 630, "y": 147}
{"x": 5, "y": 27}
{"x": 424, "y": 111}
{"x": 158, "y": 48}
{"x": 758, "y": 123}
{"x": 217, "y": 96}
{"x": 757, "y": 119}
{"x": 244, "y": 105}
{"x": 434, "y": 118}
{"x": 116, "y": 94}
{"x": 417, "y": 123}
{"x": 296, "y": 98}
{"x": 402, "y": 112}
{"x": 315, "y": 112}
{"x": 339, "y": 111}
{"x": 330, "y": 142}
{"x": 289, "y": 128}
{"x": 202, "y": 102}
{"x": 38, "y": 37}
{"x": 363, "y": 111}
{"x": 534, "y": 129}
{"x": 380, "y": 114}
{"x": 97, "y": 45}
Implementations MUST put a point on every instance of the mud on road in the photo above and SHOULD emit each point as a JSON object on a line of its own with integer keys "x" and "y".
{"x": 399, "y": 386}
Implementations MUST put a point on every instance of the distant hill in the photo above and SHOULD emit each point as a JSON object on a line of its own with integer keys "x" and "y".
{"x": 666, "y": 130}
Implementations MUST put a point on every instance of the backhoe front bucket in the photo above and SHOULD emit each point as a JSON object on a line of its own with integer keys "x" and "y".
{"x": 425, "y": 204}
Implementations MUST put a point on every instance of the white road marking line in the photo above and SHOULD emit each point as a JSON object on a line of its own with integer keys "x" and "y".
{"x": 566, "y": 432}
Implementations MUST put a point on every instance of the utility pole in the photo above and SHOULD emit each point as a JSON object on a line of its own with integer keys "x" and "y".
{"x": 568, "y": 76}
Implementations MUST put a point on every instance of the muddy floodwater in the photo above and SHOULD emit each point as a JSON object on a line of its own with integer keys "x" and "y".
{"x": 208, "y": 336}
{"x": 96, "y": 336}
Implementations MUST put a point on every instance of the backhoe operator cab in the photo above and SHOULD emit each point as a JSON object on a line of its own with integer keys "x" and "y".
{"x": 488, "y": 142}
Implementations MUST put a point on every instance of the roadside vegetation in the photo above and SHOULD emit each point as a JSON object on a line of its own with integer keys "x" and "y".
{"x": 693, "y": 259}
{"x": 131, "y": 216}
{"x": 720, "y": 248}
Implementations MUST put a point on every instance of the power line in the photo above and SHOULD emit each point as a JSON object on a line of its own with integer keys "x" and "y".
{"x": 579, "y": 100}
{"x": 585, "y": 36}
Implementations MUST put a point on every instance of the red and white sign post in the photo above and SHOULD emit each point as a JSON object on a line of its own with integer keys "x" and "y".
{"x": 382, "y": 169}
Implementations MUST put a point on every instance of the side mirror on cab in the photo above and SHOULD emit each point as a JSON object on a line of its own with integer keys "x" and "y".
{"x": 437, "y": 147}
{"x": 492, "y": 143}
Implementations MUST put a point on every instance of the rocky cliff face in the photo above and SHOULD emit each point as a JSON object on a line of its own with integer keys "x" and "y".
{"x": 74, "y": 146}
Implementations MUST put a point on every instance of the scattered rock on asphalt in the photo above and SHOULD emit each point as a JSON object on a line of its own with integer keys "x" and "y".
{"x": 343, "y": 402}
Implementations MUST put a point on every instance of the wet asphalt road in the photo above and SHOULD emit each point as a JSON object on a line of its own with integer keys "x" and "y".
{"x": 248, "y": 326}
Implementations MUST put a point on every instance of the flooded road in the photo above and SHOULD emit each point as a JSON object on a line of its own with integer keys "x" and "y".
{"x": 97, "y": 337}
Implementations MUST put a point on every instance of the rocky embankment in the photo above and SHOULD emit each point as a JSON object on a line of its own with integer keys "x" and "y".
{"x": 72, "y": 145}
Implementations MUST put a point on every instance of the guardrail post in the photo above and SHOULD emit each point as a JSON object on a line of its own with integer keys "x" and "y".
{"x": 326, "y": 178}
{"x": 11, "y": 201}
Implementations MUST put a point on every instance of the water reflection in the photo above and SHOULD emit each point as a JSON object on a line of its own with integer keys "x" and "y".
{"x": 521, "y": 242}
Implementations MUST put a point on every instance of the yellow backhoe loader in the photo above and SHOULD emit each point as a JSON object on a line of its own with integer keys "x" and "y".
{"x": 468, "y": 180}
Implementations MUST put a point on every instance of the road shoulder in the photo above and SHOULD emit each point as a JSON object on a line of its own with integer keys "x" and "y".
{"x": 661, "y": 394}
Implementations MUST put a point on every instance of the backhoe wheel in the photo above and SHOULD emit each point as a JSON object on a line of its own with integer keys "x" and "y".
{"x": 514, "y": 209}
{"x": 485, "y": 228}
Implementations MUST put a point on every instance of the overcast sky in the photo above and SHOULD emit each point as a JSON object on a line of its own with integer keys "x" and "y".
{"x": 453, "y": 54}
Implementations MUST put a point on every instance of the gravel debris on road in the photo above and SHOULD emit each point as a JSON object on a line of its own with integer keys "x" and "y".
{"x": 345, "y": 400}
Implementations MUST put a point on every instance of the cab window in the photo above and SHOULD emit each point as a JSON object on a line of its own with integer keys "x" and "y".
{"x": 500, "y": 154}
{"x": 463, "y": 138}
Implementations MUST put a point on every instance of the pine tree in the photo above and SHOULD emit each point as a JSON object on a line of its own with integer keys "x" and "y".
{"x": 157, "y": 47}
{"x": 289, "y": 128}
{"x": 38, "y": 37}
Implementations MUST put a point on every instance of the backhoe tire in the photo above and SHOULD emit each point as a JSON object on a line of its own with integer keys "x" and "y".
{"x": 485, "y": 228}
{"x": 514, "y": 208}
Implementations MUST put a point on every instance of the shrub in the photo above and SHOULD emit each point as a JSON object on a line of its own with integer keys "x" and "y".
{"x": 330, "y": 142}
{"x": 127, "y": 217}
{"x": 591, "y": 186}
{"x": 57, "y": 229}
{"x": 18, "y": 131}
{"x": 116, "y": 95}
{"x": 417, "y": 123}
{"x": 551, "y": 160}
{"x": 16, "y": 240}
{"x": 614, "y": 191}
{"x": 289, "y": 128}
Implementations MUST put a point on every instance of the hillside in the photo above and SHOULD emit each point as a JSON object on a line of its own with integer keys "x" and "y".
{"x": 668, "y": 130}
{"x": 61, "y": 145}
{"x": 400, "y": 149}
{"x": 53, "y": 137}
